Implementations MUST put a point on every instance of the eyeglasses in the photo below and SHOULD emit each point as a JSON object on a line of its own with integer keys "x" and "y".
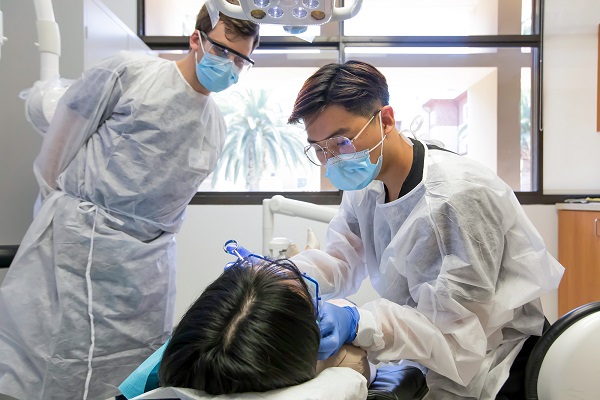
{"x": 245, "y": 258}
{"x": 339, "y": 147}
{"x": 242, "y": 62}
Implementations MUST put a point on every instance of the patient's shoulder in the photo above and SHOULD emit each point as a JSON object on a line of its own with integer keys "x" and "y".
{"x": 348, "y": 356}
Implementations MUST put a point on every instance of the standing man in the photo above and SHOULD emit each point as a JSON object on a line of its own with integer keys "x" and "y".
{"x": 91, "y": 292}
{"x": 444, "y": 241}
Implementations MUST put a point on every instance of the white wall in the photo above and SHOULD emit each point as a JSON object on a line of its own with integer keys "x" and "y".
{"x": 125, "y": 10}
{"x": 571, "y": 143}
{"x": 569, "y": 109}
{"x": 482, "y": 101}
{"x": 106, "y": 34}
{"x": 19, "y": 68}
{"x": 19, "y": 142}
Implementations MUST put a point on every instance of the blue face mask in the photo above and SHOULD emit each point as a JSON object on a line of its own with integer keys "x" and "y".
{"x": 354, "y": 171}
{"x": 353, "y": 174}
{"x": 216, "y": 73}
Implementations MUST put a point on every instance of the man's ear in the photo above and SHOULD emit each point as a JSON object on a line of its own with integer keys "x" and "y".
{"x": 387, "y": 118}
{"x": 195, "y": 40}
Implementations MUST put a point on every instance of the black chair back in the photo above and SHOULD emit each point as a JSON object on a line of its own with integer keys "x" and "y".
{"x": 539, "y": 351}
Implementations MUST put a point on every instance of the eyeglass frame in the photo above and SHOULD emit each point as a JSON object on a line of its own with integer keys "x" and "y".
{"x": 326, "y": 149}
{"x": 228, "y": 49}
{"x": 316, "y": 299}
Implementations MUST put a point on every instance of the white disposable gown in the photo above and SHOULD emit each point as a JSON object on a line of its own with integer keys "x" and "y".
{"x": 90, "y": 293}
{"x": 458, "y": 265}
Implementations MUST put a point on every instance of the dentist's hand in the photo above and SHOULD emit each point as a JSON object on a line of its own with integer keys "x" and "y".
{"x": 338, "y": 325}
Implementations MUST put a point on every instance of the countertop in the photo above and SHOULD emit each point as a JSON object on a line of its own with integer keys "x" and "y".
{"x": 593, "y": 206}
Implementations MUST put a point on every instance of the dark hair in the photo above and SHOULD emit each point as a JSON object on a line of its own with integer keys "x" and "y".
{"x": 234, "y": 27}
{"x": 253, "y": 329}
{"x": 356, "y": 86}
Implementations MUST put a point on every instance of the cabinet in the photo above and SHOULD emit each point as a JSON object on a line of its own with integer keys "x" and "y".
{"x": 579, "y": 253}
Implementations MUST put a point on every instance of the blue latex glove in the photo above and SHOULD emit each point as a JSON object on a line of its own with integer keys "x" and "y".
{"x": 338, "y": 326}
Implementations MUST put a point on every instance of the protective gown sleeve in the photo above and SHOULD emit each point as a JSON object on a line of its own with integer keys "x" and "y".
{"x": 339, "y": 268}
{"x": 87, "y": 103}
{"x": 472, "y": 262}
{"x": 457, "y": 323}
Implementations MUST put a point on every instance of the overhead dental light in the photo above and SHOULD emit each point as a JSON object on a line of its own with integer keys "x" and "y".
{"x": 294, "y": 15}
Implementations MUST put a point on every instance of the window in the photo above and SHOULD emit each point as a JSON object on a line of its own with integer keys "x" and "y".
{"x": 471, "y": 101}
{"x": 461, "y": 72}
{"x": 441, "y": 18}
{"x": 262, "y": 152}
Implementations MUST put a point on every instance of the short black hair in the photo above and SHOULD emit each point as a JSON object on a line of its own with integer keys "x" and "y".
{"x": 356, "y": 86}
{"x": 252, "y": 330}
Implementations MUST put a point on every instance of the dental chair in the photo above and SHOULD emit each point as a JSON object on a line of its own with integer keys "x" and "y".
{"x": 7, "y": 254}
{"x": 398, "y": 382}
{"x": 565, "y": 362}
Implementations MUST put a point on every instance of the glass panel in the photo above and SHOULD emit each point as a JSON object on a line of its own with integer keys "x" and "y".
{"x": 526, "y": 17}
{"x": 419, "y": 50}
{"x": 526, "y": 132}
{"x": 178, "y": 18}
{"x": 474, "y": 103}
{"x": 440, "y": 18}
{"x": 262, "y": 152}
{"x": 170, "y": 17}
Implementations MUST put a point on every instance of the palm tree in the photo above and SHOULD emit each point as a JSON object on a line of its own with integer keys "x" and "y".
{"x": 258, "y": 136}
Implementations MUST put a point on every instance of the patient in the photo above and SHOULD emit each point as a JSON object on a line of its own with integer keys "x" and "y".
{"x": 253, "y": 329}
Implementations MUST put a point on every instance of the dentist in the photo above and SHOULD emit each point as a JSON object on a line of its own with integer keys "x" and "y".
{"x": 459, "y": 267}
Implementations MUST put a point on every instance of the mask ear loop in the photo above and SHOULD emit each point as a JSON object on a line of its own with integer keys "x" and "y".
{"x": 382, "y": 135}
{"x": 201, "y": 46}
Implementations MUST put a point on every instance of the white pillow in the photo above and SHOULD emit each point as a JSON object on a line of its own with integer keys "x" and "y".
{"x": 331, "y": 384}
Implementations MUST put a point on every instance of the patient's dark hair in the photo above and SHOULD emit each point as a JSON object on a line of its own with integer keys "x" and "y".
{"x": 252, "y": 330}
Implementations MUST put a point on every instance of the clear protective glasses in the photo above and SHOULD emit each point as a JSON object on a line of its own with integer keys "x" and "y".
{"x": 247, "y": 258}
{"x": 241, "y": 62}
{"x": 336, "y": 147}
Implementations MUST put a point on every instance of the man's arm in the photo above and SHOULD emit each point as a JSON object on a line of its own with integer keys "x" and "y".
{"x": 341, "y": 267}
{"x": 465, "y": 289}
{"x": 82, "y": 109}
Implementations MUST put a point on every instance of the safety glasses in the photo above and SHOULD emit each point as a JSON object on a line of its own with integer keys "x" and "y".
{"x": 336, "y": 147}
{"x": 241, "y": 62}
{"x": 244, "y": 257}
